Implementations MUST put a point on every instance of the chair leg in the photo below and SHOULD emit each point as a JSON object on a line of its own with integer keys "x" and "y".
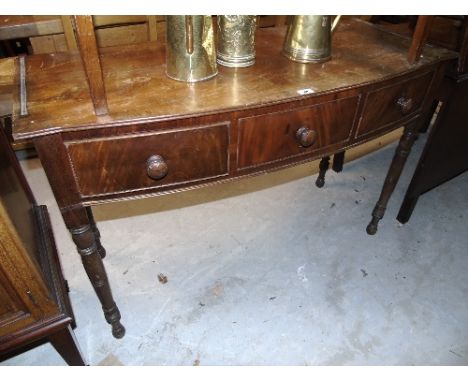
{"x": 64, "y": 341}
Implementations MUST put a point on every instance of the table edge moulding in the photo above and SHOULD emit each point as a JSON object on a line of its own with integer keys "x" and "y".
{"x": 154, "y": 135}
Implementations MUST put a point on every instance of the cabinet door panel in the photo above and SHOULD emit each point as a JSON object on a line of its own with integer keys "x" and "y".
{"x": 13, "y": 312}
{"x": 24, "y": 297}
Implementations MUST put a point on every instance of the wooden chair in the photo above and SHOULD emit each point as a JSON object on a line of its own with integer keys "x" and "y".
{"x": 50, "y": 34}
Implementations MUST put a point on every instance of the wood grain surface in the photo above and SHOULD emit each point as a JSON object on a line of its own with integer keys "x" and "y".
{"x": 138, "y": 89}
{"x": 119, "y": 164}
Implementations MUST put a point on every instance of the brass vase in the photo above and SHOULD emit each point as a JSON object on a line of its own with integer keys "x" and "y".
{"x": 236, "y": 40}
{"x": 309, "y": 38}
{"x": 190, "y": 48}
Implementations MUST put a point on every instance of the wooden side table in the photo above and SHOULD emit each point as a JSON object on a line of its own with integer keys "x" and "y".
{"x": 142, "y": 134}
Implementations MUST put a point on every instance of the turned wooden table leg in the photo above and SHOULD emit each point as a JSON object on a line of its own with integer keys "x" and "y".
{"x": 79, "y": 221}
{"x": 394, "y": 172}
{"x": 97, "y": 234}
{"x": 87, "y": 246}
{"x": 323, "y": 167}
{"x": 338, "y": 161}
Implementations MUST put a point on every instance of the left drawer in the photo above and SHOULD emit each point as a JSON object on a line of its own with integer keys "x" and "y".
{"x": 151, "y": 160}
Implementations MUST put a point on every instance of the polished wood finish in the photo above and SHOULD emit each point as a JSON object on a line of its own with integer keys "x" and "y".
{"x": 53, "y": 155}
{"x": 395, "y": 102}
{"x": 91, "y": 62}
{"x": 34, "y": 305}
{"x": 105, "y": 166}
{"x": 241, "y": 123}
{"x": 274, "y": 136}
{"x": 59, "y": 81}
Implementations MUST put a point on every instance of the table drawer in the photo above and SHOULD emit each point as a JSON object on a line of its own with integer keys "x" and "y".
{"x": 150, "y": 160}
{"x": 392, "y": 104}
{"x": 281, "y": 135}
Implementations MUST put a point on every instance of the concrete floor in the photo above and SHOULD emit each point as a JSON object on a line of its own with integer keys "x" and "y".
{"x": 273, "y": 271}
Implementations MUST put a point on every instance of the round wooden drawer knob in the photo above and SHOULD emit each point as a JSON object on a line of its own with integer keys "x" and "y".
{"x": 156, "y": 167}
{"x": 405, "y": 104}
{"x": 306, "y": 137}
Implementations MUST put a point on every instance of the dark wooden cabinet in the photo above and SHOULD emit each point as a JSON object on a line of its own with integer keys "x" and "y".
{"x": 445, "y": 154}
{"x": 34, "y": 305}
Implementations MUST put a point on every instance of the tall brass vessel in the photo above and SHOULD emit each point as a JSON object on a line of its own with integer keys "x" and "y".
{"x": 236, "y": 40}
{"x": 190, "y": 48}
{"x": 309, "y": 38}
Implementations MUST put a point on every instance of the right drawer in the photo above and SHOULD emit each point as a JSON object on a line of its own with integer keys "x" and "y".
{"x": 394, "y": 103}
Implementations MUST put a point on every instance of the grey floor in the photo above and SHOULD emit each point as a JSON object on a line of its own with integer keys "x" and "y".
{"x": 273, "y": 271}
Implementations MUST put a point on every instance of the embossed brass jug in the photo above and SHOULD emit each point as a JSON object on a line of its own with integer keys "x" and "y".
{"x": 236, "y": 40}
{"x": 309, "y": 38}
{"x": 190, "y": 48}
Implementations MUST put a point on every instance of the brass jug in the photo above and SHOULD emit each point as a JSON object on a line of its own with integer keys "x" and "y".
{"x": 309, "y": 38}
{"x": 190, "y": 48}
{"x": 236, "y": 40}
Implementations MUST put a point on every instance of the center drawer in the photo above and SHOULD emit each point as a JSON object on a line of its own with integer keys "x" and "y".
{"x": 150, "y": 160}
{"x": 293, "y": 133}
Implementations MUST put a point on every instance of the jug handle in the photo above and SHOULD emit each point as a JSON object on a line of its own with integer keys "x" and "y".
{"x": 189, "y": 34}
{"x": 335, "y": 23}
